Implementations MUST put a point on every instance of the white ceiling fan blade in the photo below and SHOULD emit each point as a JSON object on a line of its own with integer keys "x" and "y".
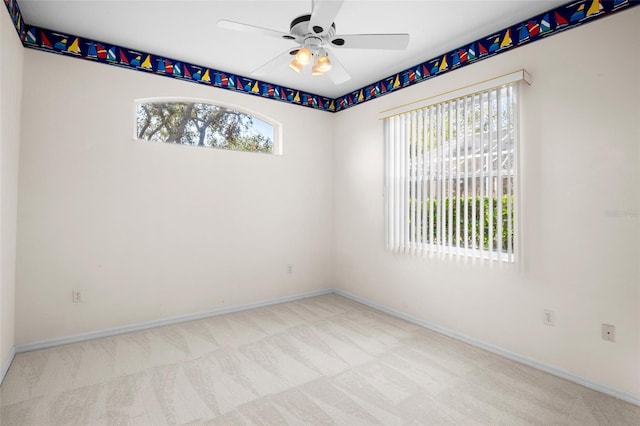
{"x": 246, "y": 28}
{"x": 371, "y": 41}
{"x": 338, "y": 74}
{"x": 277, "y": 62}
{"x": 323, "y": 14}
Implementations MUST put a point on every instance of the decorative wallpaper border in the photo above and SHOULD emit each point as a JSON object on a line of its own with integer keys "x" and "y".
{"x": 16, "y": 16}
{"x": 556, "y": 20}
{"x": 106, "y": 53}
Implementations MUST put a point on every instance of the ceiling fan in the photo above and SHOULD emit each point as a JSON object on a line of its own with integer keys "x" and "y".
{"x": 315, "y": 35}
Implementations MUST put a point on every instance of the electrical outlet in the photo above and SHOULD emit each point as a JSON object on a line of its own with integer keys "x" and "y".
{"x": 290, "y": 269}
{"x": 609, "y": 332}
{"x": 76, "y": 296}
{"x": 549, "y": 317}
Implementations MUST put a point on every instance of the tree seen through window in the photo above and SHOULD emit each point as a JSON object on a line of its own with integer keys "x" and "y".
{"x": 201, "y": 124}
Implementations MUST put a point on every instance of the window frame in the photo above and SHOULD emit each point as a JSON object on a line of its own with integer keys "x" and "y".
{"x": 406, "y": 243}
{"x": 276, "y": 149}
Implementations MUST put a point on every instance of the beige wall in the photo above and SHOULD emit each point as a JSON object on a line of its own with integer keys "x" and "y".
{"x": 148, "y": 230}
{"x": 11, "y": 59}
{"x": 580, "y": 202}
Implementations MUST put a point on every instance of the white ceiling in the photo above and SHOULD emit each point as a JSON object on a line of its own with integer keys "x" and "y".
{"x": 186, "y": 30}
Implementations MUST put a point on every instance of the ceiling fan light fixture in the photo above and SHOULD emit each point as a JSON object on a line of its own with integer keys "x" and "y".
{"x": 295, "y": 65}
{"x": 304, "y": 55}
{"x": 322, "y": 64}
{"x": 316, "y": 71}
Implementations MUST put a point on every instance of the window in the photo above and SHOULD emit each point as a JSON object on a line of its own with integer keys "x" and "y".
{"x": 451, "y": 176}
{"x": 203, "y": 124}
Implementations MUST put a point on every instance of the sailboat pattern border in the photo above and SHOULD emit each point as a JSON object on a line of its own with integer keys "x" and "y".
{"x": 554, "y": 21}
{"x": 536, "y": 28}
{"x": 98, "y": 51}
{"x": 16, "y": 16}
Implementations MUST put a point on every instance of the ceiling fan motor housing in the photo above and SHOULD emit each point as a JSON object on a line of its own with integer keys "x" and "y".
{"x": 300, "y": 28}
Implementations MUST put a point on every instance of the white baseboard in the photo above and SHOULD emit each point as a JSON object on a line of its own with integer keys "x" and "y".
{"x": 633, "y": 399}
{"x": 5, "y": 367}
{"x": 81, "y": 337}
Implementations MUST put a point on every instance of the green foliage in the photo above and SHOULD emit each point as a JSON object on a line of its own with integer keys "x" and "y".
{"x": 482, "y": 235}
{"x": 190, "y": 123}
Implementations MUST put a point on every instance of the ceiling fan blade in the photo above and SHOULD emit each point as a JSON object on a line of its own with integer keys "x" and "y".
{"x": 371, "y": 41}
{"x": 246, "y": 28}
{"x": 338, "y": 74}
{"x": 277, "y": 62}
{"x": 323, "y": 14}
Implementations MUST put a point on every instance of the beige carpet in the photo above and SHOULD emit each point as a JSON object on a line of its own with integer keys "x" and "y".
{"x": 323, "y": 360}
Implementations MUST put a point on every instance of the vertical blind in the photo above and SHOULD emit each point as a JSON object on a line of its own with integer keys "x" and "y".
{"x": 450, "y": 177}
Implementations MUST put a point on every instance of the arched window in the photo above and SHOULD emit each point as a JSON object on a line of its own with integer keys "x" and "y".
{"x": 200, "y": 123}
